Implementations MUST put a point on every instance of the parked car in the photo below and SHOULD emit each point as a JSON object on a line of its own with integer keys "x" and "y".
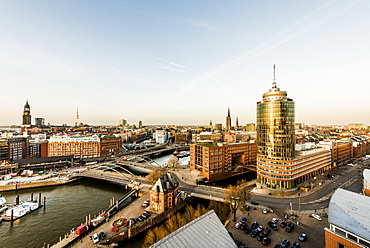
{"x": 272, "y": 225}
{"x": 115, "y": 229}
{"x": 243, "y": 246}
{"x": 275, "y": 220}
{"x": 266, "y": 241}
{"x": 295, "y": 245}
{"x": 260, "y": 229}
{"x": 285, "y": 243}
{"x": 102, "y": 235}
{"x": 247, "y": 207}
{"x": 243, "y": 226}
{"x": 264, "y": 211}
{"x": 146, "y": 203}
{"x": 243, "y": 220}
{"x": 277, "y": 246}
{"x": 126, "y": 223}
{"x": 260, "y": 237}
{"x": 255, "y": 203}
{"x": 248, "y": 230}
{"x": 267, "y": 231}
{"x": 283, "y": 224}
{"x": 255, "y": 233}
{"x": 302, "y": 237}
{"x": 237, "y": 225}
{"x": 95, "y": 238}
{"x": 317, "y": 217}
{"x": 238, "y": 242}
{"x": 289, "y": 227}
{"x": 140, "y": 219}
{"x": 144, "y": 216}
{"x": 254, "y": 225}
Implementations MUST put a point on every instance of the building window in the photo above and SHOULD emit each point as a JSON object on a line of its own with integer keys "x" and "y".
{"x": 351, "y": 237}
{"x": 340, "y": 245}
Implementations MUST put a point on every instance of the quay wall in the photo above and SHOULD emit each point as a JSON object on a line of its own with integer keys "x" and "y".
{"x": 31, "y": 185}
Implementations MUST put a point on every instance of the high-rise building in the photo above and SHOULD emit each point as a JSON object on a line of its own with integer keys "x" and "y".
{"x": 40, "y": 121}
{"x": 279, "y": 165}
{"x": 228, "y": 121}
{"x": 26, "y": 118}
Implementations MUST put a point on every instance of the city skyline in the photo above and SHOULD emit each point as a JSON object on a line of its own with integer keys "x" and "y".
{"x": 177, "y": 63}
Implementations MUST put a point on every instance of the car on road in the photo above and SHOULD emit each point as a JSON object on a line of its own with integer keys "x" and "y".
{"x": 95, "y": 238}
{"x": 254, "y": 225}
{"x": 295, "y": 245}
{"x": 285, "y": 243}
{"x": 317, "y": 217}
{"x": 266, "y": 241}
{"x": 102, "y": 235}
{"x": 289, "y": 227}
{"x": 302, "y": 237}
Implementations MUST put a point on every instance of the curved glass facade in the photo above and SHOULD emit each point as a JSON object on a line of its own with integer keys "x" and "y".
{"x": 275, "y": 138}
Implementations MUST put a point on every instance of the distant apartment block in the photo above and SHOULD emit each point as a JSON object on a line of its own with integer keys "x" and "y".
{"x": 161, "y": 136}
{"x": 110, "y": 145}
{"x": 122, "y": 122}
{"x": 250, "y": 127}
{"x": 39, "y": 121}
{"x": 217, "y": 162}
{"x": 80, "y": 146}
{"x": 207, "y": 137}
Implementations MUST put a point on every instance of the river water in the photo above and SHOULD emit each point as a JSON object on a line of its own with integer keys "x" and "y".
{"x": 66, "y": 208}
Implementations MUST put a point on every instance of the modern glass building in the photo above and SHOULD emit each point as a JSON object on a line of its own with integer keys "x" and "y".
{"x": 279, "y": 165}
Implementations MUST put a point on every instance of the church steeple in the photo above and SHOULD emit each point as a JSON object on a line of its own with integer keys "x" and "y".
{"x": 228, "y": 121}
{"x": 26, "y": 117}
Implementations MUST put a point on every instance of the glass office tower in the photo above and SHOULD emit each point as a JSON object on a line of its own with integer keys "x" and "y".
{"x": 275, "y": 139}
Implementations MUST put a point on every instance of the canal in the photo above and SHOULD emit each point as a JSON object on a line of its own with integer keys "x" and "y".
{"x": 66, "y": 208}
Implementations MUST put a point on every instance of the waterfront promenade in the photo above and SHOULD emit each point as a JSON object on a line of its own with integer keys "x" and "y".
{"x": 133, "y": 210}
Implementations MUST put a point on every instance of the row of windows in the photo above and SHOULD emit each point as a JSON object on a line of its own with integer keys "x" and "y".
{"x": 351, "y": 237}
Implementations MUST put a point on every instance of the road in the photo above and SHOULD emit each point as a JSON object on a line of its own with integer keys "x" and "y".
{"x": 349, "y": 178}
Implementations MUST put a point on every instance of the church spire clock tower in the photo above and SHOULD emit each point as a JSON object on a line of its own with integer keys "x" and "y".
{"x": 26, "y": 117}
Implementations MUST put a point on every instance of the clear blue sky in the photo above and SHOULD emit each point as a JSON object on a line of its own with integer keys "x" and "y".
{"x": 183, "y": 62}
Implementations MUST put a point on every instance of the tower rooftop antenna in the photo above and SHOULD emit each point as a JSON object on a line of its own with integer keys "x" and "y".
{"x": 274, "y": 79}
